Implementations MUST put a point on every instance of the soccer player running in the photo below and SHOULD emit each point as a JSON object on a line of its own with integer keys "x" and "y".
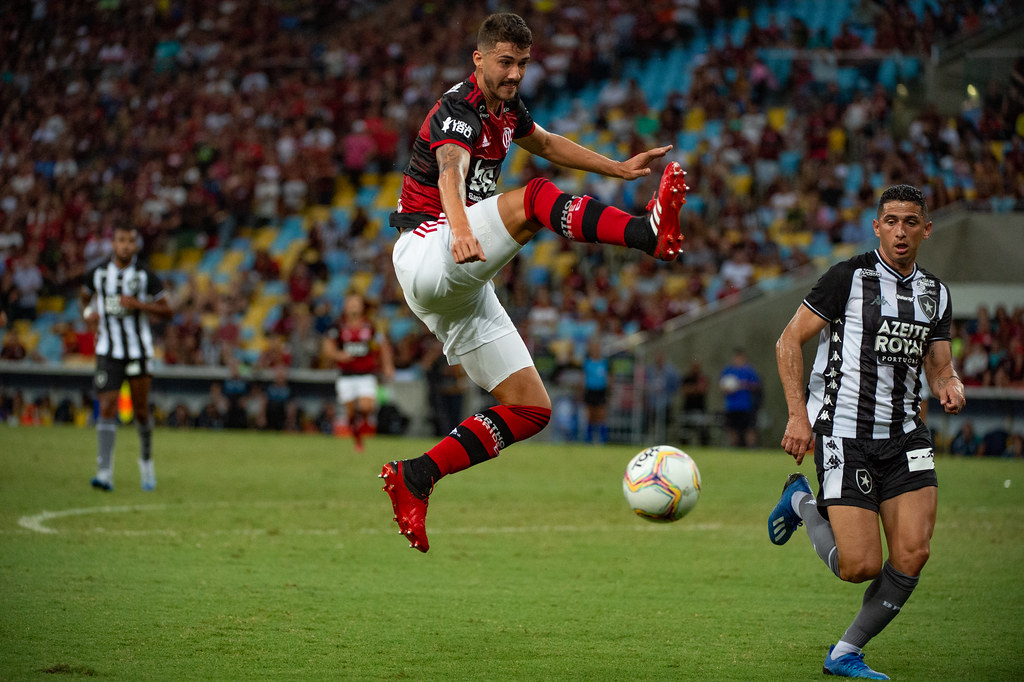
{"x": 880, "y": 320}
{"x": 361, "y": 352}
{"x": 456, "y": 234}
{"x": 119, "y": 296}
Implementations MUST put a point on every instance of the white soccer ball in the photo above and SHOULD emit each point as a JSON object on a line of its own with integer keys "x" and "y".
{"x": 730, "y": 383}
{"x": 662, "y": 483}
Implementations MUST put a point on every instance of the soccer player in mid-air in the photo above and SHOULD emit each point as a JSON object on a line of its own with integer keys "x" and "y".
{"x": 456, "y": 234}
{"x": 119, "y": 296}
{"x": 882, "y": 322}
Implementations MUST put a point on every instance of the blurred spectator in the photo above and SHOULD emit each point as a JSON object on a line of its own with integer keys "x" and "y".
{"x": 13, "y": 348}
{"x": 966, "y": 441}
{"x": 279, "y": 395}
{"x": 214, "y": 412}
{"x": 357, "y": 149}
{"x": 695, "y": 386}
{"x": 741, "y": 386}
{"x": 28, "y": 279}
{"x": 596, "y": 379}
{"x": 236, "y": 390}
{"x": 662, "y": 381}
{"x": 180, "y": 417}
{"x": 1014, "y": 446}
{"x": 275, "y": 354}
{"x": 445, "y": 390}
{"x": 8, "y": 295}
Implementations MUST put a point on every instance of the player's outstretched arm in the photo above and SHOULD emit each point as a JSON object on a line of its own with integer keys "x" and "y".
{"x": 564, "y": 152}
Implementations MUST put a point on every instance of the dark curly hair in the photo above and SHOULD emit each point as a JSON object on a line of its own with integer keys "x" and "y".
{"x": 503, "y": 28}
{"x": 907, "y": 193}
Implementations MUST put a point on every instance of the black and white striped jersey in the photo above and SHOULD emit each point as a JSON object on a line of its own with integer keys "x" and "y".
{"x": 867, "y": 372}
{"x": 123, "y": 334}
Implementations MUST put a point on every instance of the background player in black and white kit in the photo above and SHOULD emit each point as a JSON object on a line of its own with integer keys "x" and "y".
{"x": 119, "y": 296}
{"x": 880, "y": 321}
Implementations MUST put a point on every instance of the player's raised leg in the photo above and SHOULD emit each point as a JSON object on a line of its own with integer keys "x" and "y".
{"x": 585, "y": 219}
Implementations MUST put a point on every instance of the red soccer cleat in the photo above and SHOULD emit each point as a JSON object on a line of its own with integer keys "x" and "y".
{"x": 664, "y": 209}
{"x": 410, "y": 511}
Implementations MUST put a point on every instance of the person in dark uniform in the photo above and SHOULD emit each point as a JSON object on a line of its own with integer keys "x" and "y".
{"x": 119, "y": 297}
{"x": 456, "y": 234}
{"x": 883, "y": 325}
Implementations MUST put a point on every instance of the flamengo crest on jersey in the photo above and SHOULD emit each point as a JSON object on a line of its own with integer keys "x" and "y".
{"x": 459, "y": 117}
{"x": 867, "y": 372}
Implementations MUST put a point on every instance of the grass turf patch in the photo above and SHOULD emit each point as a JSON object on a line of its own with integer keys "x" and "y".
{"x": 273, "y": 556}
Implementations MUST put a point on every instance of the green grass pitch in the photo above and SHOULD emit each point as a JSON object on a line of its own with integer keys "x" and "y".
{"x": 274, "y": 557}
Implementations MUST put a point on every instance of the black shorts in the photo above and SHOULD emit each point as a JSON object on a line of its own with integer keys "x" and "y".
{"x": 111, "y": 372}
{"x": 595, "y": 397}
{"x": 864, "y": 472}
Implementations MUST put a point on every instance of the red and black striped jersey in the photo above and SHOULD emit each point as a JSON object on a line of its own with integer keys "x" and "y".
{"x": 459, "y": 117}
{"x": 362, "y": 344}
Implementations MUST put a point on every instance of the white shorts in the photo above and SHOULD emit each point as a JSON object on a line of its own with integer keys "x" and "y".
{"x": 457, "y": 302}
{"x": 350, "y": 388}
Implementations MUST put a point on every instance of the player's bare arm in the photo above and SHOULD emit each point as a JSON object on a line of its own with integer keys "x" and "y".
{"x": 566, "y": 153}
{"x": 89, "y": 314}
{"x": 331, "y": 353}
{"x": 805, "y": 325}
{"x": 453, "y": 166}
{"x": 943, "y": 380}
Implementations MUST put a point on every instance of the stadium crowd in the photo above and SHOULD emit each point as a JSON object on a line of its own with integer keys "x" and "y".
{"x": 201, "y": 122}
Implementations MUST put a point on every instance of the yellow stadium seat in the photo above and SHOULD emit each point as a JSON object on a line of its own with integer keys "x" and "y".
{"x": 675, "y": 284}
{"x": 291, "y": 255}
{"x": 188, "y": 258}
{"x": 316, "y": 214}
{"x": 231, "y": 261}
{"x": 360, "y": 282}
{"x": 564, "y": 263}
{"x": 209, "y": 321}
{"x": 998, "y": 148}
{"x": 161, "y": 261}
{"x": 265, "y": 236}
{"x": 694, "y": 120}
{"x": 202, "y": 280}
{"x": 50, "y": 304}
{"x": 741, "y": 184}
{"x": 777, "y": 117}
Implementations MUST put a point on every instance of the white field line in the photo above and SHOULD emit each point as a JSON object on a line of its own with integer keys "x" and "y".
{"x": 39, "y": 523}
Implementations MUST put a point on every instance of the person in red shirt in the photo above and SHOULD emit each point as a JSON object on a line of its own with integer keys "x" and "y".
{"x": 361, "y": 353}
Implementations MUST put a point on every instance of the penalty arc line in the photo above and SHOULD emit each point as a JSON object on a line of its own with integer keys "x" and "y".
{"x": 38, "y": 524}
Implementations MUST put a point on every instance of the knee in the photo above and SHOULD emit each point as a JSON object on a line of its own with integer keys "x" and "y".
{"x": 859, "y": 570}
{"x": 912, "y": 561}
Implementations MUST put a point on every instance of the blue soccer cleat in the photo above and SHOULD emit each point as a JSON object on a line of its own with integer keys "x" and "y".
{"x": 101, "y": 484}
{"x": 850, "y": 665}
{"x": 783, "y": 520}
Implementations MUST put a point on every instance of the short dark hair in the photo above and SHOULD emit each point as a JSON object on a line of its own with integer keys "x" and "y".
{"x": 907, "y": 193}
{"x": 504, "y": 28}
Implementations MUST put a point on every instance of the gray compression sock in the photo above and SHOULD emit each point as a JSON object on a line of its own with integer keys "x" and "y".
{"x": 145, "y": 439}
{"x": 883, "y": 600}
{"x": 106, "y": 434}
{"x": 819, "y": 530}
